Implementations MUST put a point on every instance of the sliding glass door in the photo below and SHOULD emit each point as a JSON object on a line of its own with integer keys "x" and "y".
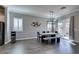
{"x": 63, "y": 28}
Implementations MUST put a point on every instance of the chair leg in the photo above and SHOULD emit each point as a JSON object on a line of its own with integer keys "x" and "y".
{"x": 37, "y": 38}
{"x": 58, "y": 40}
{"x": 42, "y": 40}
{"x": 52, "y": 41}
{"x": 46, "y": 41}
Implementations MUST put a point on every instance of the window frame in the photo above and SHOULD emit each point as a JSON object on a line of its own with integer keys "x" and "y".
{"x": 18, "y": 28}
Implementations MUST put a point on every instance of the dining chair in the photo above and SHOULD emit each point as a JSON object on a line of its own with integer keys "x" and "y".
{"x": 43, "y": 39}
{"x": 38, "y": 36}
{"x": 53, "y": 38}
{"x": 56, "y": 31}
{"x": 47, "y": 31}
{"x": 43, "y": 32}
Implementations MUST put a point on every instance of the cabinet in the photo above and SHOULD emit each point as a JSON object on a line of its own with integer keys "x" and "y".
{"x": 13, "y": 36}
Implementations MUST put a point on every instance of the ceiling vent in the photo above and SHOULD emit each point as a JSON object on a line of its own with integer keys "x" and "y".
{"x": 63, "y": 8}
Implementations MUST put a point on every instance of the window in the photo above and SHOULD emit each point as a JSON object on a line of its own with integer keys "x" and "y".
{"x": 60, "y": 28}
{"x": 49, "y": 26}
{"x": 18, "y": 24}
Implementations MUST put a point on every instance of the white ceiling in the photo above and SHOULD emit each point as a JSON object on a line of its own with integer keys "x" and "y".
{"x": 43, "y": 10}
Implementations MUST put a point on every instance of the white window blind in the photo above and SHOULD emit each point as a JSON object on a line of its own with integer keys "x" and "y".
{"x": 18, "y": 24}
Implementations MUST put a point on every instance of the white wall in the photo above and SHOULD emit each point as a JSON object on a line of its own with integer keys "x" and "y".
{"x": 28, "y": 30}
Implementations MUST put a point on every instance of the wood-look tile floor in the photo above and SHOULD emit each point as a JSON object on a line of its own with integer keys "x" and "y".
{"x": 33, "y": 46}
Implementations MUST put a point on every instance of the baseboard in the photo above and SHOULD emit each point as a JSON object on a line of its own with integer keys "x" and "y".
{"x": 22, "y": 39}
{"x": 7, "y": 42}
{"x": 27, "y": 38}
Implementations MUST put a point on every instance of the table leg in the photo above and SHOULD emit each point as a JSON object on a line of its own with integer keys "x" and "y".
{"x": 52, "y": 41}
{"x": 58, "y": 40}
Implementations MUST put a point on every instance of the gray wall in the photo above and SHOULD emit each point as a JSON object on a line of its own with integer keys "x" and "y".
{"x": 28, "y": 30}
{"x": 76, "y": 27}
{"x": 76, "y": 23}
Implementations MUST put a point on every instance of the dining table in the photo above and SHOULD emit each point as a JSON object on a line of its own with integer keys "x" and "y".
{"x": 49, "y": 37}
{"x": 48, "y": 33}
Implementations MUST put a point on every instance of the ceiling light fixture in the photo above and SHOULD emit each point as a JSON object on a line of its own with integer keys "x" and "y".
{"x": 51, "y": 16}
{"x": 52, "y": 20}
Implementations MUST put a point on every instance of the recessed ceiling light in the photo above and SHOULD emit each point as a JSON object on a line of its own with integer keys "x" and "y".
{"x": 63, "y": 7}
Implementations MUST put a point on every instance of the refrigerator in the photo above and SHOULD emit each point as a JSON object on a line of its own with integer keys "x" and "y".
{"x": 2, "y": 33}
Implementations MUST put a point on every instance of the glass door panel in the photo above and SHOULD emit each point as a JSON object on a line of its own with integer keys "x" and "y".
{"x": 63, "y": 28}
